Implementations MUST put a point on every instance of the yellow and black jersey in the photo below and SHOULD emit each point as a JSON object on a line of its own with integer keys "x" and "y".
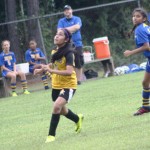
{"x": 62, "y": 81}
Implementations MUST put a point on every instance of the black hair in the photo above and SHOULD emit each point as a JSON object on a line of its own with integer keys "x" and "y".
{"x": 67, "y": 48}
{"x": 143, "y": 13}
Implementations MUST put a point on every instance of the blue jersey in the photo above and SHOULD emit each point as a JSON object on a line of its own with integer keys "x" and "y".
{"x": 142, "y": 35}
{"x": 8, "y": 60}
{"x": 30, "y": 56}
{"x": 76, "y": 36}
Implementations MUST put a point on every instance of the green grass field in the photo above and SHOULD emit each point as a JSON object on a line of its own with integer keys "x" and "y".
{"x": 107, "y": 104}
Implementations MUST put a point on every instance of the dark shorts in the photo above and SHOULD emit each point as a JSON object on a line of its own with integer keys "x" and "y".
{"x": 67, "y": 94}
{"x": 79, "y": 60}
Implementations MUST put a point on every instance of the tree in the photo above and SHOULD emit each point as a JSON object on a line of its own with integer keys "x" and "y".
{"x": 10, "y": 12}
{"x": 33, "y": 25}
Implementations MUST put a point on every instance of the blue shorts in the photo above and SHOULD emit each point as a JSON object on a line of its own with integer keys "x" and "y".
{"x": 4, "y": 73}
{"x": 148, "y": 66}
{"x": 31, "y": 70}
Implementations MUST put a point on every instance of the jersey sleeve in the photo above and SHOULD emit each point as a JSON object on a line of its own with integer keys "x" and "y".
{"x": 60, "y": 24}
{"x": 78, "y": 21}
{"x": 143, "y": 36}
{"x": 70, "y": 59}
{"x": 1, "y": 60}
{"x": 27, "y": 57}
{"x": 41, "y": 54}
{"x": 14, "y": 58}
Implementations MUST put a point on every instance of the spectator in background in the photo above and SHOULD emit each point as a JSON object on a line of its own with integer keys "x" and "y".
{"x": 8, "y": 67}
{"x": 34, "y": 56}
{"x": 73, "y": 25}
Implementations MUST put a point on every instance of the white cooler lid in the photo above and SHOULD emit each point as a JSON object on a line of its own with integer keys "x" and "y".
{"x": 100, "y": 39}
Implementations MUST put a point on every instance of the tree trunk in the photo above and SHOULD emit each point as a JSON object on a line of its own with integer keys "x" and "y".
{"x": 33, "y": 25}
{"x": 10, "y": 11}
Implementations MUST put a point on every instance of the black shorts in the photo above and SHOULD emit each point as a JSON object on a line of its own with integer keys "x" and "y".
{"x": 67, "y": 94}
{"x": 79, "y": 60}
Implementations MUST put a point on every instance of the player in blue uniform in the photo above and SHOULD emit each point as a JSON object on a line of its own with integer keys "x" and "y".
{"x": 73, "y": 24}
{"x": 142, "y": 40}
{"x": 34, "y": 56}
{"x": 8, "y": 67}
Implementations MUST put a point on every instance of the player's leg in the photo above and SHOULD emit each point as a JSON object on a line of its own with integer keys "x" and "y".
{"x": 105, "y": 67}
{"x": 23, "y": 82}
{"x": 146, "y": 93}
{"x": 45, "y": 82}
{"x": 54, "y": 118}
{"x": 67, "y": 94}
{"x": 79, "y": 62}
{"x": 12, "y": 77}
{"x": 76, "y": 118}
{"x": 57, "y": 106}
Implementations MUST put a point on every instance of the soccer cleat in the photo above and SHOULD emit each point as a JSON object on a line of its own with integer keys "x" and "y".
{"x": 14, "y": 94}
{"x": 50, "y": 138}
{"x": 46, "y": 87}
{"x": 26, "y": 92}
{"x": 79, "y": 123}
{"x": 142, "y": 110}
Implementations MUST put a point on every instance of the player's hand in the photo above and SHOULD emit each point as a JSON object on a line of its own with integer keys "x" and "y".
{"x": 37, "y": 57}
{"x": 38, "y": 71}
{"x": 127, "y": 53}
{"x": 46, "y": 68}
{"x": 15, "y": 72}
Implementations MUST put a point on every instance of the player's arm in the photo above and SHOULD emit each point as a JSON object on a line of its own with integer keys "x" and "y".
{"x": 2, "y": 64}
{"x": 76, "y": 26}
{"x": 41, "y": 56}
{"x": 15, "y": 70}
{"x": 137, "y": 50}
{"x": 67, "y": 72}
{"x": 28, "y": 58}
{"x": 73, "y": 28}
{"x": 4, "y": 68}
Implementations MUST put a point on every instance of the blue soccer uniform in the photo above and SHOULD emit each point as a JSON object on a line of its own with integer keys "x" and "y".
{"x": 142, "y": 35}
{"x": 30, "y": 57}
{"x": 7, "y": 60}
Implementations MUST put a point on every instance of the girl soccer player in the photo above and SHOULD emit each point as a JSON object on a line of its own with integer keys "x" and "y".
{"x": 8, "y": 67}
{"x": 34, "y": 56}
{"x": 64, "y": 82}
{"x": 142, "y": 40}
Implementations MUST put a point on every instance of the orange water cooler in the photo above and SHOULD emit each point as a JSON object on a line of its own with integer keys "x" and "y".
{"x": 102, "y": 47}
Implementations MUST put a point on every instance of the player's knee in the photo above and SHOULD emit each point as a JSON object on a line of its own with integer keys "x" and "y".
{"x": 13, "y": 76}
{"x": 56, "y": 109}
{"x": 145, "y": 84}
{"x": 21, "y": 73}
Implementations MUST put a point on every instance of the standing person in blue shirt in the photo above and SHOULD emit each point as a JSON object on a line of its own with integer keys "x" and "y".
{"x": 34, "y": 56}
{"x": 142, "y": 40}
{"x": 73, "y": 25}
{"x": 8, "y": 67}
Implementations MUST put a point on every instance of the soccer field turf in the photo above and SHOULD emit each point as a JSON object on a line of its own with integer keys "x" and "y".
{"x": 107, "y": 104}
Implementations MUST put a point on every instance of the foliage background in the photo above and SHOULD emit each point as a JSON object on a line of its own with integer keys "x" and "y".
{"x": 113, "y": 21}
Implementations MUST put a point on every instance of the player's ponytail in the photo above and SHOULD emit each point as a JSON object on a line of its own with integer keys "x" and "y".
{"x": 130, "y": 32}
